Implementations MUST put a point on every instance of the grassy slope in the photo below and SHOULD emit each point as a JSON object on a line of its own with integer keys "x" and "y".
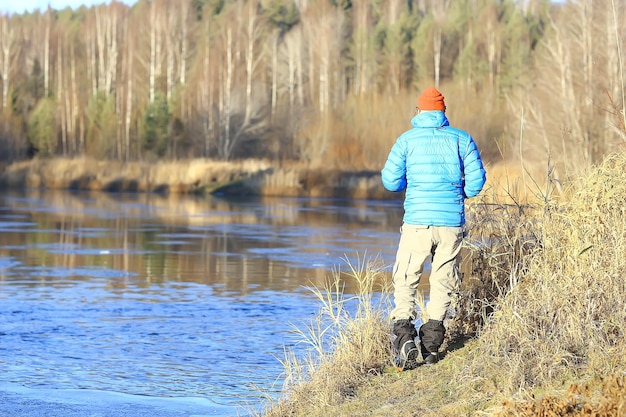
{"x": 554, "y": 345}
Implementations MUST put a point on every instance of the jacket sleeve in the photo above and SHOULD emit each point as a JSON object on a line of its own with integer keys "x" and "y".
{"x": 394, "y": 173}
{"x": 473, "y": 170}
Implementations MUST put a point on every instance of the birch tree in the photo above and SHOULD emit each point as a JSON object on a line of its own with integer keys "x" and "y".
{"x": 282, "y": 15}
{"x": 8, "y": 55}
{"x": 253, "y": 55}
{"x": 616, "y": 85}
{"x": 439, "y": 10}
{"x": 225, "y": 102}
{"x": 62, "y": 95}
{"x": 295, "y": 67}
{"x": 171, "y": 40}
{"x": 397, "y": 26}
{"x": 46, "y": 51}
{"x": 127, "y": 86}
{"x": 572, "y": 82}
{"x": 324, "y": 27}
{"x": 157, "y": 29}
{"x": 206, "y": 90}
{"x": 364, "y": 62}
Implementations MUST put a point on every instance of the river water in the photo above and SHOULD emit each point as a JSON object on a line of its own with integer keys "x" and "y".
{"x": 189, "y": 301}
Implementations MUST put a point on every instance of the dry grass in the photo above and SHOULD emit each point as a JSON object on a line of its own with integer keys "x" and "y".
{"x": 603, "y": 398}
{"x": 199, "y": 176}
{"x": 502, "y": 236}
{"x": 566, "y": 319}
{"x": 363, "y": 130}
{"x": 345, "y": 343}
{"x": 545, "y": 302}
{"x": 507, "y": 183}
{"x": 510, "y": 183}
{"x": 182, "y": 176}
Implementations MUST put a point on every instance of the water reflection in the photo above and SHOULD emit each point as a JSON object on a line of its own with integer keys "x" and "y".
{"x": 275, "y": 244}
{"x": 166, "y": 296}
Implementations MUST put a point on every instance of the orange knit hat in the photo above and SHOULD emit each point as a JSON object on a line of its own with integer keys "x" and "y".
{"x": 431, "y": 99}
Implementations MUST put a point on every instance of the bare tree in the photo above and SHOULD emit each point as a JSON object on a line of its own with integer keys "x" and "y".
{"x": 324, "y": 27}
{"x": 46, "y": 51}
{"x": 325, "y": 33}
{"x": 440, "y": 12}
{"x": 396, "y": 49}
{"x": 363, "y": 62}
{"x": 570, "y": 110}
{"x": 75, "y": 118}
{"x": 8, "y": 55}
{"x": 62, "y": 96}
{"x": 254, "y": 31}
{"x": 157, "y": 29}
{"x": 615, "y": 63}
{"x": 293, "y": 49}
{"x": 185, "y": 7}
{"x": 129, "y": 64}
{"x": 171, "y": 48}
{"x": 241, "y": 57}
{"x": 225, "y": 102}
{"x": 206, "y": 101}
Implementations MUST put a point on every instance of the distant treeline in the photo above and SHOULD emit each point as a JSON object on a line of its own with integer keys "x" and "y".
{"x": 325, "y": 82}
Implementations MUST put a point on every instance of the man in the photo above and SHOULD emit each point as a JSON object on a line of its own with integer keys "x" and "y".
{"x": 439, "y": 167}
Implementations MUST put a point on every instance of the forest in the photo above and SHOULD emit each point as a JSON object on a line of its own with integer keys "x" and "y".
{"x": 327, "y": 83}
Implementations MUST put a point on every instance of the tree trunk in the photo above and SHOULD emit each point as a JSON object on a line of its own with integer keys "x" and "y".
{"x": 76, "y": 146}
{"x": 361, "y": 47}
{"x": 46, "y": 52}
{"x": 274, "y": 73}
{"x": 437, "y": 54}
{"x": 112, "y": 51}
{"x": 7, "y": 42}
{"x": 228, "y": 82}
{"x": 61, "y": 97}
{"x": 169, "y": 70}
{"x": 206, "y": 101}
{"x": 440, "y": 15}
{"x": 153, "y": 52}
{"x": 92, "y": 71}
{"x": 184, "y": 14}
{"x": 100, "y": 48}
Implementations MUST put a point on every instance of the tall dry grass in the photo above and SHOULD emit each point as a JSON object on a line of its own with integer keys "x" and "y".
{"x": 346, "y": 342}
{"x": 197, "y": 176}
{"x": 181, "y": 176}
{"x": 363, "y": 130}
{"x": 565, "y": 319}
{"x": 544, "y": 298}
{"x": 502, "y": 235}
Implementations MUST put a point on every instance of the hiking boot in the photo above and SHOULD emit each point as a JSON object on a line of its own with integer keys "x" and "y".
{"x": 407, "y": 358}
{"x": 431, "y": 358}
{"x": 431, "y": 335}
{"x": 428, "y": 358}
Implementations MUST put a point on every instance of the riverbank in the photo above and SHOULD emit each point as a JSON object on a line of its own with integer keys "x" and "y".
{"x": 196, "y": 176}
{"x": 539, "y": 328}
{"x": 505, "y": 182}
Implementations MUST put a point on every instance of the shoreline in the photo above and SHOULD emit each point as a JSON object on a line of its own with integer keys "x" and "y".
{"x": 195, "y": 176}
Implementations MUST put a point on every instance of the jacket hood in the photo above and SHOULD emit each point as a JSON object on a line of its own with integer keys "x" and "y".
{"x": 433, "y": 118}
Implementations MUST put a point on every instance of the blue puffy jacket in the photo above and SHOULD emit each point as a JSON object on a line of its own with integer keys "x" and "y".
{"x": 439, "y": 166}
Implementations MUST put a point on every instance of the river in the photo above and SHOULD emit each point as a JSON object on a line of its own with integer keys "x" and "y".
{"x": 188, "y": 301}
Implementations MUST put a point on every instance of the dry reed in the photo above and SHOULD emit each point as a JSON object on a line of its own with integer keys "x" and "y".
{"x": 347, "y": 341}
{"x": 566, "y": 319}
{"x": 545, "y": 298}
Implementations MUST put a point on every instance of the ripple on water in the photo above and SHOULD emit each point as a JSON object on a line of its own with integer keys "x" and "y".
{"x": 178, "y": 339}
{"x": 167, "y": 298}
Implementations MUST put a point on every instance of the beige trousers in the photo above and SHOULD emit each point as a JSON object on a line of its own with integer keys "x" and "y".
{"x": 417, "y": 243}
